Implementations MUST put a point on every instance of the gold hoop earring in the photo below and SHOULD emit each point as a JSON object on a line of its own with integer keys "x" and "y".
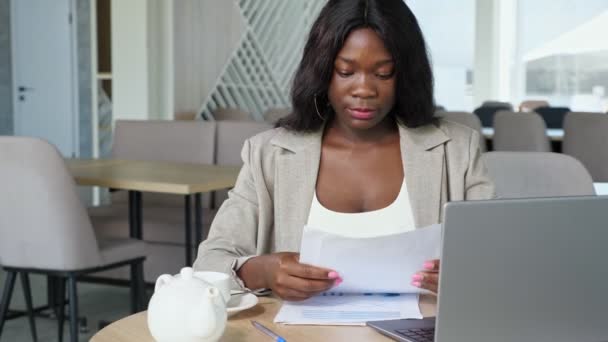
{"x": 317, "y": 108}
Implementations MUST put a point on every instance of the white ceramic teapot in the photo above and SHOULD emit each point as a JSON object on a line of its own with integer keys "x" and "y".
{"x": 186, "y": 309}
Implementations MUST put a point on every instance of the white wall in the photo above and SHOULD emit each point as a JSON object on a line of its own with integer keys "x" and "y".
{"x": 206, "y": 33}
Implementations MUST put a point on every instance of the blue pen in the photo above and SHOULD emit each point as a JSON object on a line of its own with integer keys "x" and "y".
{"x": 268, "y": 332}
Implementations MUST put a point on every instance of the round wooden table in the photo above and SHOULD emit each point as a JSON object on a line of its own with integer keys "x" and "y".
{"x": 135, "y": 327}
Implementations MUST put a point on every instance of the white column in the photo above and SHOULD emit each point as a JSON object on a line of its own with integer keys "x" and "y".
{"x": 495, "y": 44}
{"x": 130, "y": 59}
{"x": 160, "y": 52}
{"x": 507, "y": 49}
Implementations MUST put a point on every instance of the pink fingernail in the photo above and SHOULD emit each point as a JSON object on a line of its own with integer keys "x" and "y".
{"x": 416, "y": 283}
{"x": 333, "y": 275}
{"x": 429, "y": 265}
{"x": 338, "y": 282}
{"x": 417, "y": 277}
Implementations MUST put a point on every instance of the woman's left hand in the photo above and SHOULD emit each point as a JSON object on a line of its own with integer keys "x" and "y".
{"x": 428, "y": 278}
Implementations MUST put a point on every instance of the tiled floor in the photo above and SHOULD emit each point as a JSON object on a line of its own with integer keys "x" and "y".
{"x": 96, "y": 302}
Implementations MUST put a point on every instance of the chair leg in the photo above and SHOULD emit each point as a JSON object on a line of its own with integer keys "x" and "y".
{"x": 73, "y": 298}
{"x": 143, "y": 298}
{"x": 137, "y": 287}
{"x": 60, "y": 306}
{"x": 27, "y": 293}
{"x": 6, "y": 297}
{"x": 51, "y": 291}
{"x": 133, "y": 288}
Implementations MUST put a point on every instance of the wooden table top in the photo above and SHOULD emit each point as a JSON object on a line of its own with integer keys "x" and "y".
{"x": 239, "y": 328}
{"x": 149, "y": 176}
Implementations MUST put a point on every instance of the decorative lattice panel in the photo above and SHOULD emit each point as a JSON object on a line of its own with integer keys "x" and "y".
{"x": 258, "y": 74}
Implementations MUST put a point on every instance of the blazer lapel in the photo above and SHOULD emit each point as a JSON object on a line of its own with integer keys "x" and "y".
{"x": 423, "y": 160}
{"x": 297, "y": 169}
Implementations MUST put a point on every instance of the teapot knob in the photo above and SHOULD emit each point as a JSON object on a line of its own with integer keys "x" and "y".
{"x": 186, "y": 273}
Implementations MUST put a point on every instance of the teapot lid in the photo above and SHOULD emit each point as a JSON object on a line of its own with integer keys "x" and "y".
{"x": 181, "y": 282}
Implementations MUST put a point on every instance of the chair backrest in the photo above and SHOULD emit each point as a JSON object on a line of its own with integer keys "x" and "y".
{"x": 231, "y": 114}
{"x": 169, "y": 141}
{"x": 185, "y": 116}
{"x": 274, "y": 114}
{"x": 498, "y": 104}
{"x": 43, "y": 223}
{"x": 537, "y": 174}
{"x": 553, "y": 116}
{"x": 231, "y": 136}
{"x": 531, "y": 105}
{"x": 159, "y": 140}
{"x": 520, "y": 132}
{"x": 586, "y": 139}
{"x": 467, "y": 119}
{"x": 486, "y": 114}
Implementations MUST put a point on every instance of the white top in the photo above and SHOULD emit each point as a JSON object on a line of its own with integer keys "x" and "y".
{"x": 397, "y": 217}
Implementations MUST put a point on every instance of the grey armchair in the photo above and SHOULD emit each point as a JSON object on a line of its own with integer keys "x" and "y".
{"x": 498, "y": 104}
{"x": 537, "y": 174}
{"x": 44, "y": 228}
{"x": 586, "y": 139}
{"x": 163, "y": 215}
{"x": 520, "y": 132}
{"x": 164, "y": 140}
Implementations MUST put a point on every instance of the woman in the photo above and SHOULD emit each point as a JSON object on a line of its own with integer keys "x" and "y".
{"x": 361, "y": 146}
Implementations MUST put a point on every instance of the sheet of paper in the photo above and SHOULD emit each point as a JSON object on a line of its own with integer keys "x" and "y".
{"x": 383, "y": 264}
{"x": 348, "y": 309}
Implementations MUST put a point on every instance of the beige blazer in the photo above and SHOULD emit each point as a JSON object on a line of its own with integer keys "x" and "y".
{"x": 269, "y": 205}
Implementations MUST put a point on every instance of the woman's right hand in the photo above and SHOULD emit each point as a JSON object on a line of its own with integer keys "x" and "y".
{"x": 286, "y": 276}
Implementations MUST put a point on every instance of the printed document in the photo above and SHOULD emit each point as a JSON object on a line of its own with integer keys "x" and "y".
{"x": 376, "y": 273}
{"x": 383, "y": 264}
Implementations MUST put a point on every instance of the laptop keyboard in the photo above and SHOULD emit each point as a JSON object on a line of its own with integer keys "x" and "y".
{"x": 418, "y": 334}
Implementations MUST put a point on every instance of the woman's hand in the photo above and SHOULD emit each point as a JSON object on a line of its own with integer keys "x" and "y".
{"x": 287, "y": 277}
{"x": 428, "y": 278}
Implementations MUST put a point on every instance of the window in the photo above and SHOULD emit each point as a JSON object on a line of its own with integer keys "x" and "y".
{"x": 563, "y": 53}
{"x": 449, "y": 30}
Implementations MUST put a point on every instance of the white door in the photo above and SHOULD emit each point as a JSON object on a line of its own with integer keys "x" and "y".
{"x": 44, "y": 72}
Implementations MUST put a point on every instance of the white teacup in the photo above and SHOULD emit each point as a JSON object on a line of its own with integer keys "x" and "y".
{"x": 219, "y": 280}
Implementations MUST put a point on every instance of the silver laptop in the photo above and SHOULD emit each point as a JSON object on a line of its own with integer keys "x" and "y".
{"x": 519, "y": 270}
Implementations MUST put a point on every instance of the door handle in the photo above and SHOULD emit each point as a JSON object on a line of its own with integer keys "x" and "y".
{"x": 23, "y": 89}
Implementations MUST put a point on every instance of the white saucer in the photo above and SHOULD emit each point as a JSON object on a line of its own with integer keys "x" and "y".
{"x": 241, "y": 302}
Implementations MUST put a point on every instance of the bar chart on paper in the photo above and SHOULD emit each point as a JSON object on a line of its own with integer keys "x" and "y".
{"x": 349, "y": 309}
